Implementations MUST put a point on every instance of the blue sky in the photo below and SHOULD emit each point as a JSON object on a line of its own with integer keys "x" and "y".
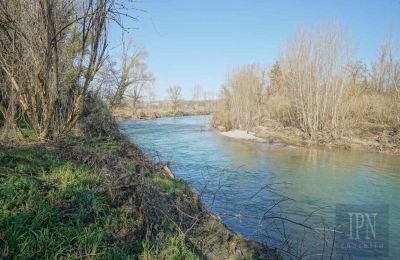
{"x": 196, "y": 42}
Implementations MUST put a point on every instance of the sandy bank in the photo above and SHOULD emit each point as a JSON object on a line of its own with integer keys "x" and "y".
{"x": 243, "y": 135}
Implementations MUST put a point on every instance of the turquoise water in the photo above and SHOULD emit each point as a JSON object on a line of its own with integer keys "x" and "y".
{"x": 278, "y": 195}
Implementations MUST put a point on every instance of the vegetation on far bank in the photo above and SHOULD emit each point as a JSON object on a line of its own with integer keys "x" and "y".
{"x": 151, "y": 110}
{"x": 317, "y": 93}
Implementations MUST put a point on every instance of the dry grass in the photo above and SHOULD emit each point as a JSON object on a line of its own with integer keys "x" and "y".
{"x": 317, "y": 94}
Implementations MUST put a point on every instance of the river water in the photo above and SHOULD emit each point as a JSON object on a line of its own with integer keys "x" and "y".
{"x": 280, "y": 195}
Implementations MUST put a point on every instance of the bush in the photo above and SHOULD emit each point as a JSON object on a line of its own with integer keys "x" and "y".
{"x": 97, "y": 120}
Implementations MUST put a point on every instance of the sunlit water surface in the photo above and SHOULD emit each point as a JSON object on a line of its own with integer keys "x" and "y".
{"x": 252, "y": 186}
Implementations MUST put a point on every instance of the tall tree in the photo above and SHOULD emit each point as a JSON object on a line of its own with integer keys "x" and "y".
{"x": 133, "y": 76}
{"x": 276, "y": 78}
{"x": 244, "y": 87}
{"x": 196, "y": 92}
{"x": 174, "y": 94}
{"x": 50, "y": 52}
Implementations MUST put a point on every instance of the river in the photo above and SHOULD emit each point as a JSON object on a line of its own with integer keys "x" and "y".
{"x": 279, "y": 195}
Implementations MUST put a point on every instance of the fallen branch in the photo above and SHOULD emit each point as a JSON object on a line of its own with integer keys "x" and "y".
{"x": 168, "y": 171}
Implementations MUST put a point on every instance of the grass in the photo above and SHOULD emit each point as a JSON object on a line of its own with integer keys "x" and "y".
{"x": 108, "y": 144}
{"x": 174, "y": 248}
{"x": 169, "y": 186}
{"x": 26, "y": 133}
{"x": 51, "y": 208}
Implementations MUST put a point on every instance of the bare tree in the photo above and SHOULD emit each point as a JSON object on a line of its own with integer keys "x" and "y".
{"x": 244, "y": 88}
{"x": 8, "y": 111}
{"x": 174, "y": 94}
{"x": 313, "y": 68}
{"x": 357, "y": 73}
{"x": 151, "y": 94}
{"x": 196, "y": 92}
{"x": 386, "y": 69}
{"x": 50, "y": 52}
{"x": 276, "y": 79}
{"x": 133, "y": 77}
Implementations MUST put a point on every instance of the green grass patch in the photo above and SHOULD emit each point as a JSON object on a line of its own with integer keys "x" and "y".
{"x": 173, "y": 248}
{"x": 168, "y": 185}
{"x": 29, "y": 134}
{"x": 51, "y": 208}
{"x": 108, "y": 144}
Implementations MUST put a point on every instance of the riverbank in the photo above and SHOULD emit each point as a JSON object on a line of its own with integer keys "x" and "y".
{"x": 243, "y": 135}
{"x": 155, "y": 115}
{"x": 383, "y": 141}
{"x": 100, "y": 196}
{"x": 153, "y": 110}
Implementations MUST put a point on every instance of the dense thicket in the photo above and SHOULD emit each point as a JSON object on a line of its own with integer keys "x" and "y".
{"x": 241, "y": 96}
{"x": 317, "y": 87}
{"x": 50, "y": 54}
